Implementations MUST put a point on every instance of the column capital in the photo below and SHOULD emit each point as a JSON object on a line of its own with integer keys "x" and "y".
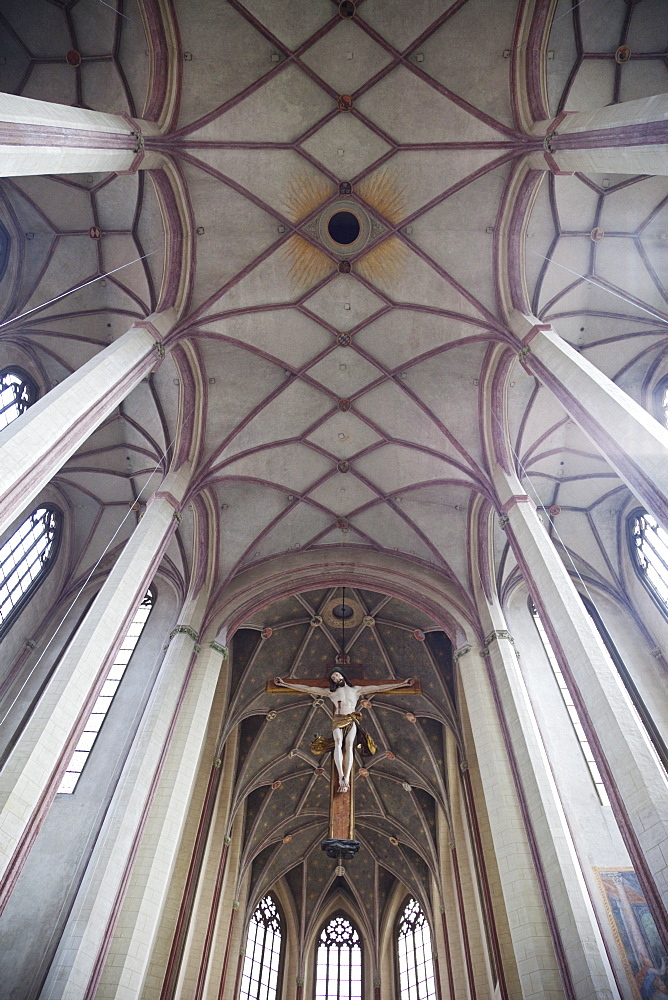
{"x": 499, "y": 633}
{"x": 512, "y": 501}
{"x": 188, "y": 631}
{"x": 159, "y": 324}
{"x": 169, "y": 497}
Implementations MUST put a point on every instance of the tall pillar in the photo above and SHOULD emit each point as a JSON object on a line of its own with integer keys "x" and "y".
{"x": 33, "y": 771}
{"x": 629, "y": 438}
{"x": 149, "y": 806}
{"x": 627, "y": 138}
{"x": 39, "y": 442}
{"x": 537, "y": 965}
{"x": 636, "y": 782}
{"x": 578, "y": 943}
{"x": 38, "y": 137}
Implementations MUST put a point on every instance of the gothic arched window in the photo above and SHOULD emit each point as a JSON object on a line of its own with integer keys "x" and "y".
{"x": 661, "y": 401}
{"x": 338, "y": 971}
{"x": 106, "y": 696}
{"x": 414, "y": 957}
{"x": 262, "y": 960}
{"x": 17, "y": 393}
{"x": 25, "y": 559}
{"x": 649, "y": 550}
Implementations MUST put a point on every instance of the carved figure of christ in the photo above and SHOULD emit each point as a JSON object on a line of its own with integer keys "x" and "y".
{"x": 345, "y": 698}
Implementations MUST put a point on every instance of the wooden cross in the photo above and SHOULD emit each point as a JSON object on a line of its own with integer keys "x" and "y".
{"x": 342, "y": 803}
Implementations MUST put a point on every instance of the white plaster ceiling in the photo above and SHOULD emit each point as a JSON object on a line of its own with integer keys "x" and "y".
{"x": 429, "y": 148}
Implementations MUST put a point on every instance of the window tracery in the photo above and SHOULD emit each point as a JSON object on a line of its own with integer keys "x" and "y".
{"x": 260, "y": 974}
{"x": 339, "y": 961}
{"x": 17, "y": 393}
{"x": 106, "y": 696}
{"x": 25, "y": 558}
{"x": 414, "y": 954}
{"x": 649, "y": 550}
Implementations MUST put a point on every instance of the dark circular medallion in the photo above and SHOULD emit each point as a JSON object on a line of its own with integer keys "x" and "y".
{"x": 344, "y": 228}
{"x": 73, "y": 58}
{"x": 346, "y": 8}
{"x": 343, "y": 611}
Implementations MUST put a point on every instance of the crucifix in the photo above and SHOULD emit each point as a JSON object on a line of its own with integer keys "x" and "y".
{"x": 345, "y": 695}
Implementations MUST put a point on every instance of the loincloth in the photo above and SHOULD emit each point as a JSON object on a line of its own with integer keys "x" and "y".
{"x": 321, "y": 744}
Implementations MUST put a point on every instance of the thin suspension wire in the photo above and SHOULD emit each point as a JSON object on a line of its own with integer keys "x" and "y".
{"x": 88, "y": 578}
{"x": 540, "y": 503}
{"x": 650, "y": 312}
{"x": 569, "y": 11}
{"x": 343, "y": 629}
{"x": 77, "y": 288}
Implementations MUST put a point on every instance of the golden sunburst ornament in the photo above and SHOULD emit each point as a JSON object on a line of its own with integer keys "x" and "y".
{"x": 383, "y": 264}
{"x": 305, "y": 194}
{"x": 308, "y": 265}
{"x": 383, "y": 191}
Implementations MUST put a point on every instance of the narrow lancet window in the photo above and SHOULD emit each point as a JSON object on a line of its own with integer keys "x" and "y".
{"x": 25, "y": 559}
{"x": 262, "y": 960}
{"x": 17, "y": 393}
{"x": 414, "y": 956}
{"x": 649, "y": 549}
{"x": 572, "y": 710}
{"x": 106, "y": 696}
{"x": 339, "y": 962}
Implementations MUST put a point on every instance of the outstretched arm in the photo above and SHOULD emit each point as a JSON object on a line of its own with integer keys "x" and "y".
{"x": 315, "y": 692}
{"x": 386, "y": 686}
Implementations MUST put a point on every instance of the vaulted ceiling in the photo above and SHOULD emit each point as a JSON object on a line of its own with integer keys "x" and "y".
{"x": 284, "y": 789}
{"x": 339, "y": 409}
{"x": 329, "y": 409}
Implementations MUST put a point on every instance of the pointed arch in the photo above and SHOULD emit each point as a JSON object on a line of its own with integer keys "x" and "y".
{"x": 415, "y": 964}
{"x": 263, "y": 957}
{"x": 339, "y": 960}
{"x": 25, "y": 559}
{"x": 18, "y": 391}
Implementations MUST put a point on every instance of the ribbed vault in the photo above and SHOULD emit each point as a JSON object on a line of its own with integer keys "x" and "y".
{"x": 283, "y": 788}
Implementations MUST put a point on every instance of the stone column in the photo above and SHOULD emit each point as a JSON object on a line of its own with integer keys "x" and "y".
{"x": 38, "y": 137}
{"x": 629, "y": 438}
{"x": 628, "y": 138}
{"x": 578, "y": 943}
{"x": 531, "y": 938}
{"x": 33, "y": 771}
{"x": 149, "y": 806}
{"x": 636, "y": 782}
{"x": 39, "y": 442}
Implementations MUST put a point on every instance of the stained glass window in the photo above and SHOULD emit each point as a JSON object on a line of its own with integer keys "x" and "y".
{"x": 649, "y": 548}
{"x": 338, "y": 973}
{"x": 416, "y": 967}
{"x": 572, "y": 710}
{"x": 17, "y": 393}
{"x": 260, "y": 974}
{"x": 25, "y": 559}
{"x": 106, "y": 696}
